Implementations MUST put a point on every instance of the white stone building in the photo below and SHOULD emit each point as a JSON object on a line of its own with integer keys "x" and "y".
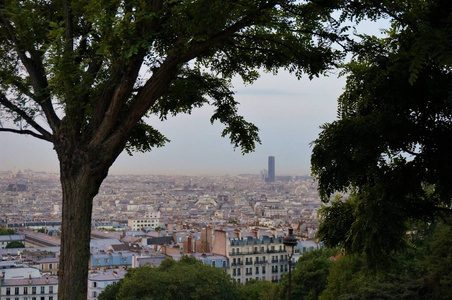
{"x": 27, "y": 283}
{"x": 98, "y": 281}
{"x": 150, "y": 220}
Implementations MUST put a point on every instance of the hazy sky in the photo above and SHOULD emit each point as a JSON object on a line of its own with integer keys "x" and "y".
{"x": 287, "y": 111}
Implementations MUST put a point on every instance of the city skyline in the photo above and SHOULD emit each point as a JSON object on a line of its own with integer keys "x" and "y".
{"x": 288, "y": 113}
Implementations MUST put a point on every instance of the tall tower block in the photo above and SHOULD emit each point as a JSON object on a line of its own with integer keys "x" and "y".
{"x": 271, "y": 168}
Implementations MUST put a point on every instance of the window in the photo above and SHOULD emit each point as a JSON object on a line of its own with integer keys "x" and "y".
{"x": 25, "y": 290}
{"x": 224, "y": 264}
{"x": 8, "y": 291}
{"x": 234, "y": 273}
{"x": 50, "y": 297}
{"x": 94, "y": 294}
{"x": 43, "y": 290}
{"x": 16, "y": 291}
{"x": 263, "y": 269}
{"x": 50, "y": 266}
{"x": 33, "y": 298}
{"x": 51, "y": 289}
{"x": 94, "y": 283}
{"x": 213, "y": 263}
{"x": 33, "y": 290}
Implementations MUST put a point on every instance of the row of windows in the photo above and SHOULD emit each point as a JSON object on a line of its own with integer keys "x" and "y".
{"x": 32, "y": 298}
{"x": 26, "y": 290}
{"x": 108, "y": 260}
{"x": 262, "y": 249}
{"x": 249, "y": 271}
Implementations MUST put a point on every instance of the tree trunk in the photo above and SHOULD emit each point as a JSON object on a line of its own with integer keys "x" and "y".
{"x": 80, "y": 184}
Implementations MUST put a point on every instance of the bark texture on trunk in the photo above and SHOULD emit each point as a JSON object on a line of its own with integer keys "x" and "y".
{"x": 80, "y": 184}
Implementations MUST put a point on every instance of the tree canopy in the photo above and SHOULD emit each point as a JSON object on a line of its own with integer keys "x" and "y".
{"x": 390, "y": 148}
{"x": 14, "y": 244}
{"x": 6, "y": 231}
{"x": 187, "y": 278}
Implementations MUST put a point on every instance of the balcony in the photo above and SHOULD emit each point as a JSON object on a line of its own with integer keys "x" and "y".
{"x": 248, "y": 263}
{"x": 261, "y": 262}
{"x": 274, "y": 261}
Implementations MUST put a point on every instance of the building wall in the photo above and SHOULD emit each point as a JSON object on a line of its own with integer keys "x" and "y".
{"x": 220, "y": 244}
{"x": 257, "y": 259}
{"x": 12, "y": 289}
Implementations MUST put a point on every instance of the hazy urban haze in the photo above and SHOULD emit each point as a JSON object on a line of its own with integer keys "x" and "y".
{"x": 287, "y": 111}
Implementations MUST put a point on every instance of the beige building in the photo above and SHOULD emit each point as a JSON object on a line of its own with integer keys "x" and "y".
{"x": 150, "y": 220}
{"x": 252, "y": 257}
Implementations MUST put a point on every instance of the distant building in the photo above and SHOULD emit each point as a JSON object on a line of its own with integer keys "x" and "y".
{"x": 98, "y": 281}
{"x": 109, "y": 260}
{"x": 16, "y": 187}
{"x": 150, "y": 220}
{"x": 27, "y": 283}
{"x": 271, "y": 169}
{"x": 6, "y": 239}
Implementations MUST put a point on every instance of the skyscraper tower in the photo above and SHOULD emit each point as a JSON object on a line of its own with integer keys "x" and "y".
{"x": 271, "y": 169}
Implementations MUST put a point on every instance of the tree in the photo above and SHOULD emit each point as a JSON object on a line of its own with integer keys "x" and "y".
{"x": 440, "y": 261}
{"x": 390, "y": 147}
{"x": 187, "y": 278}
{"x": 6, "y": 231}
{"x": 309, "y": 278}
{"x": 97, "y": 71}
{"x": 258, "y": 290}
{"x": 14, "y": 244}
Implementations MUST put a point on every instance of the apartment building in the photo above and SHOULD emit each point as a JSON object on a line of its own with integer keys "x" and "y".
{"x": 252, "y": 257}
{"x": 27, "y": 283}
{"x": 149, "y": 220}
{"x": 98, "y": 281}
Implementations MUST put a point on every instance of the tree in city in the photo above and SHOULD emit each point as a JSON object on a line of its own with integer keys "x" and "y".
{"x": 6, "y": 231}
{"x": 390, "y": 148}
{"x": 93, "y": 77}
{"x": 14, "y": 244}
{"x": 258, "y": 290}
{"x": 309, "y": 278}
{"x": 187, "y": 278}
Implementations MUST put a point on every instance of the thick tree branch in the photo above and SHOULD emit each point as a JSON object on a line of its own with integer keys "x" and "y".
{"x": 27, "y": 132}
{"x": 14, "y": 108}
{"x": 112, "y": 100}
{"x": 68, "y": 19}
{"x": 36, "y": 72}
{"x": 162, "y": 77}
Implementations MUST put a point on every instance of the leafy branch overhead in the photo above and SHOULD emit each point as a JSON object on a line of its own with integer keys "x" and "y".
{"x": 97, "y": 67}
